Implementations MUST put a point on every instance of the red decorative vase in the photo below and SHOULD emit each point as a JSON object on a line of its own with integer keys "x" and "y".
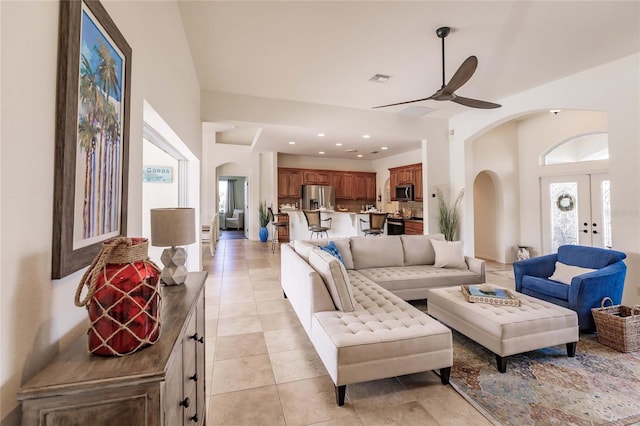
{"x": 123, "y": 299}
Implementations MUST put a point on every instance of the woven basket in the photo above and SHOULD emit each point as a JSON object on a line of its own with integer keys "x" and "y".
{"x": 618, "y": 326}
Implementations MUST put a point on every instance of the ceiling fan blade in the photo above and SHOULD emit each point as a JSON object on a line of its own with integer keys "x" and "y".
{"x": 474, "y": 103}
{"x": 402, "y": 103}
{"x": 462, "y": 75}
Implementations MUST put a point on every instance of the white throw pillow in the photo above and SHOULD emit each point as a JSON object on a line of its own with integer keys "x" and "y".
{"x": 449, "y": 254}
{"x": 303, "y": 248}
{"x": 564, "y": 273}
{"x": 335, "y": 278}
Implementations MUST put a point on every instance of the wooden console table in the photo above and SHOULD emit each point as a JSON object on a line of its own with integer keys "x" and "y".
{"x": 163, "y": 384}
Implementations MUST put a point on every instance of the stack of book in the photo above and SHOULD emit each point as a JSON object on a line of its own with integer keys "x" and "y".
{"x": 488, "y": 294}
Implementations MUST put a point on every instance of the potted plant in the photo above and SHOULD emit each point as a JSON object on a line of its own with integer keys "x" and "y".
{"x": 448, "y": 216}
{"x": 263, "y": 217}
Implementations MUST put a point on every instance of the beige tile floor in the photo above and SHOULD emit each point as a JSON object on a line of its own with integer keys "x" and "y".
{"x": 263, "y": 370}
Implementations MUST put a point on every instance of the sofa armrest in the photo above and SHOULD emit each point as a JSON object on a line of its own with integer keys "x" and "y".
{"x": 591, "y": 288}
{"x": 477, "y": 266}
{"x": 541, "y": 266}
{"x": 303, "y": 286}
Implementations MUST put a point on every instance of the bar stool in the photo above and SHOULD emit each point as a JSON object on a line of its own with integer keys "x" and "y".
{"x": 276, "y": 228}
{"x": 314, "y": 222}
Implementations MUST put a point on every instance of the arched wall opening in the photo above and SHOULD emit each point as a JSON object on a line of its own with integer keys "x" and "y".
{"x": 486, "y": 212}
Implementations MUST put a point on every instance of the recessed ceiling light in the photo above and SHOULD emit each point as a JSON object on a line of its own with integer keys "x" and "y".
{"x": 384, "y": 147}
{"x": 360, "y": 155}
{"x": 380, "y": 78}
{"x": 338, "y": 144}
{"x": 321, "y": 134}
{"x": 366, "y": 136}
{"x": 321, "y": 152}
{"x": 555, "y": 111}
{"x": 292, "y": 143}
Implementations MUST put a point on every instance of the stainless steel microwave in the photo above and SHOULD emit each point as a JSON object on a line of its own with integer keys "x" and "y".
{"x": 404, "y": 193}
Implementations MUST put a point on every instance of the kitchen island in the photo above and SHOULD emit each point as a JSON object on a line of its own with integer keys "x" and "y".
{"x": 343, "y": 224}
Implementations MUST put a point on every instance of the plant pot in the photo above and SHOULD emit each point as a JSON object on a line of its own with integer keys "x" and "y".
{"x": 264, "y": 234}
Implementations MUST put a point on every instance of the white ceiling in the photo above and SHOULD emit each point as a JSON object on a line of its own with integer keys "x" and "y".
{"x": 324, "y": 52}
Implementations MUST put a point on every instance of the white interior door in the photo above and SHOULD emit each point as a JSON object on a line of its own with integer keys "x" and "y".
{"x": 575, "y": 210}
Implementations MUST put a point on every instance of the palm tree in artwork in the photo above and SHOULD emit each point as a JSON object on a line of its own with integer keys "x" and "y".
{"x": 108, "y": 77}
{"x": 88, "y": 129}
{"x": 111, "y": 130}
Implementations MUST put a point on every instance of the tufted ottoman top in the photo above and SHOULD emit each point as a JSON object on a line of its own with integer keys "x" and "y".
{"x": 382, "y": 326}
{"x": 532, "y": 317}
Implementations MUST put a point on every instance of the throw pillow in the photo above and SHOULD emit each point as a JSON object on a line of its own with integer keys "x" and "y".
{"x": 418, "y": 249}
{"x": 564, "y": 273}
{"x": 449, "y": 254}
{"x": 335, "y": 278}
{"x": 333, "y": 251}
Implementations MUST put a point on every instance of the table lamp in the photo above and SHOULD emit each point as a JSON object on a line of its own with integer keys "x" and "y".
{"x": 171, "y": 227}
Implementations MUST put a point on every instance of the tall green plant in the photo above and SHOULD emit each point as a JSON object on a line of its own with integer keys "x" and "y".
{"x": 263, "y": 214}
{"x": 448, "y": 215}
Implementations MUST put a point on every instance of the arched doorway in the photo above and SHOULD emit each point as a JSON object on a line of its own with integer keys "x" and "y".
{"x": 487, "y": 212}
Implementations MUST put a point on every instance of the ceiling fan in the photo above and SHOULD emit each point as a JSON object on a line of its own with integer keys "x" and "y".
{"x": 462, "y": 75}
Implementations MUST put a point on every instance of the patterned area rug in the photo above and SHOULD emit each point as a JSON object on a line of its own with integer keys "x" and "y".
{"x": 545, "y": 387}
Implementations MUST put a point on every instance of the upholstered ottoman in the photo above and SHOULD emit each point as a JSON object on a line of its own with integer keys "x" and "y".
{"x": 506, "y": 330}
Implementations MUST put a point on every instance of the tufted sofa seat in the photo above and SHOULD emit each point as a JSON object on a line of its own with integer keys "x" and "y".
{"x": 362, "y": 331}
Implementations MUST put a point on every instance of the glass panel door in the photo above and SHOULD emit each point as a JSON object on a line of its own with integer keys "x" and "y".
{"x": 576, "y": 210}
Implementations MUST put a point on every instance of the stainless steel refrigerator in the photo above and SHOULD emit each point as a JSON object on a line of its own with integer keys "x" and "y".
{"x": 318, "y": 196}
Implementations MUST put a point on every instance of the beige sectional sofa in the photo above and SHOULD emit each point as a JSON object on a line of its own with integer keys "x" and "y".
{"x": 353, "y": 310}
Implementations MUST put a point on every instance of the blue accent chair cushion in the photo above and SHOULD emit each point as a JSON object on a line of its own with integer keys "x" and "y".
{"x": 332, "y": 249}
{"x": 586, "y": 291}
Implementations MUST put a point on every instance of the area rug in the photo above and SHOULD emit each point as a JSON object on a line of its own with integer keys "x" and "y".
{"x": 545, "y": 387}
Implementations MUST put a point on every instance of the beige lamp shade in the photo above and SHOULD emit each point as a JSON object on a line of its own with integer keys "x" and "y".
{"x": 172, "y": 227}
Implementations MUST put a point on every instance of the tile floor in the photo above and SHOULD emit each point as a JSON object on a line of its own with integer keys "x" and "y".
{"x": 263, "y": 370}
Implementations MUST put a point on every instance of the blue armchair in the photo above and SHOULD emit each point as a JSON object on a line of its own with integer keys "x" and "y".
{"x": 586, "y": 291}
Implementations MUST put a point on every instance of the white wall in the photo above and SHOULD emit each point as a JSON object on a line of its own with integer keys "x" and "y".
{"x": 38, "y": 317}
{"x": 497, "y": 151}
{"x": 322, "y": 163}
{"x": 613, "y": 88}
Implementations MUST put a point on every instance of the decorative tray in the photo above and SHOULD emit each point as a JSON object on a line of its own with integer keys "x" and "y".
{"x": 494, "y": 295}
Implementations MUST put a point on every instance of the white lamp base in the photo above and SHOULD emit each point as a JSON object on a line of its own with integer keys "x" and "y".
{"x": 174, "y": 272}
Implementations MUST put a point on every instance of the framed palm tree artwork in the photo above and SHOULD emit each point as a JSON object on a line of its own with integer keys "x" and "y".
{"x": 92, "y": 135}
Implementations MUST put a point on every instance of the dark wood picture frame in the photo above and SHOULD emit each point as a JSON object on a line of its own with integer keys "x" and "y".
{"x": 69, "y": 136}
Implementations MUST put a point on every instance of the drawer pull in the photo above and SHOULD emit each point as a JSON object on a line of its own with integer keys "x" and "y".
{"x": 185, "y": 402}
{"x": 198, "y": 339}
{"x": 194, "y": 418}
{"x": 194, "y": 377}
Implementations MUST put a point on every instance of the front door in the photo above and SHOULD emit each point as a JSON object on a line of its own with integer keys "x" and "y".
{"x": 576, "y": 210}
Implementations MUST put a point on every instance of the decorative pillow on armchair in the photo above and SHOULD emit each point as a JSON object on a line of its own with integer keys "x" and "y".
{"x": 449, "y": 254}
{"x": 564, "y": 273}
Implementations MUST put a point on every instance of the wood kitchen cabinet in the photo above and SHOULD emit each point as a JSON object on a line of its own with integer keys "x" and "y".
{"x": 411, "y": 174}
{"x": 417, "y": 182}
{"x": 316, "y": 177}
{"x": 289, "y": 183}
{"x": 348, "y": 185}
{"x": 413, "y": 227}
{"x": 163, "y": 384}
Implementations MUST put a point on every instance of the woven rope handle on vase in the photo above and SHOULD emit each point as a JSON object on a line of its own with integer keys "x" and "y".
{"x": 90, "y": 277}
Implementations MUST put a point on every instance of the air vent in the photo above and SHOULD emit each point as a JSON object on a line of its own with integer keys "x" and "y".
{"x": 350, "y": 150}
{"x": 375, "y": 152}
{"x": 380, "y": 78}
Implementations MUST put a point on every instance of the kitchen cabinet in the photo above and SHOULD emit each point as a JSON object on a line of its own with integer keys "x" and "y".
{"x": 413, "y": 227}
{"x": 289, "y": 183}
{"x": 337, "y": 181}
{"x": 163, "y": 384}
{"x": 283, "y": 231}
{"x": 348, "y": 185}
{"x": 315, "y": 177}
{"x": 411, "y": 174}
{"x": 417, "y": 182}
